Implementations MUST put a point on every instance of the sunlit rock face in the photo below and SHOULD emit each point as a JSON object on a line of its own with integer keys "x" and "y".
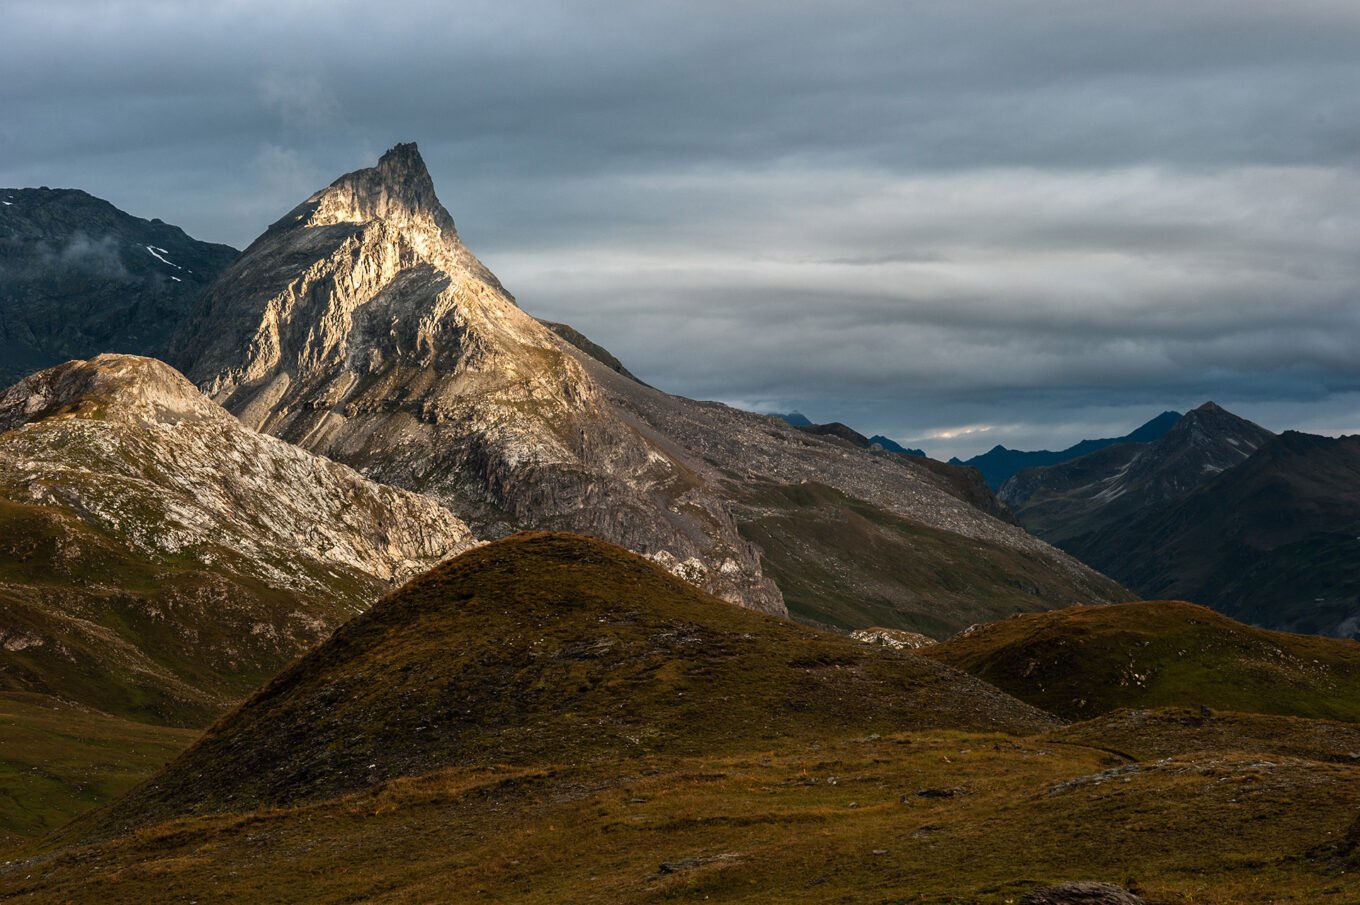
{"x": 360, "y": 327}
{"x": 134, "y": 449}
{"x": 162, "y": 559}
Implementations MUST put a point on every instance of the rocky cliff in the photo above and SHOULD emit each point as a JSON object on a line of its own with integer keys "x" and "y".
{"x": 360, "y": 327}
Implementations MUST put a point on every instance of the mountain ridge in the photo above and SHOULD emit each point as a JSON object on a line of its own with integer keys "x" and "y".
{"x": 360, "y": 327}
{"x": 1066, "y": 502}
{"x": 79, "y": 277}
{"x": 1273, "y": 541}
{"x": 998, "y": 464}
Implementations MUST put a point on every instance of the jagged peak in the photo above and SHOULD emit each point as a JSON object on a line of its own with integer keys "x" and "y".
{"x": 398, "y": 190}
{"x": 1211, "y": 406}
{"x": 108, "y": 387}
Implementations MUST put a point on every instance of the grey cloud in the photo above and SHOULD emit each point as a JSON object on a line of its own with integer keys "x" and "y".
{"x": 1046, "y": 218}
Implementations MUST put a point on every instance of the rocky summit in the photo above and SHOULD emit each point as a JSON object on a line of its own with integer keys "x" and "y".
{"x": 360, "y": 327}
{"x": 1062, "y": 503}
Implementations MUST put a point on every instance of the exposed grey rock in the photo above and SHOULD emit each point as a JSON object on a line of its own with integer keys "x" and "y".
{"x": 161, "y": 558}
{"x": 361, "y": 328}
{"x": 893, "y": 638}
{"x": 1082, "y": 894}
{"x": 134, "y": 448}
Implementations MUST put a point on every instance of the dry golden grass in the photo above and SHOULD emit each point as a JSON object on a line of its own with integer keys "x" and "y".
{"x": 838, "y": 821}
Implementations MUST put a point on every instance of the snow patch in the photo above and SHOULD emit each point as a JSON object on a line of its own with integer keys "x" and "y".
{"x": 157, "y": 253}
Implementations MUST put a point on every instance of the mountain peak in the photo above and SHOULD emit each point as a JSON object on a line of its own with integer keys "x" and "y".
{"x": 1210, "y": 406}
{"x": 398, "y": 189}
{"x": 403, "y": 157}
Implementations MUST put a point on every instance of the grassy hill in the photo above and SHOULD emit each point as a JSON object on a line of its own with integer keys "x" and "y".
{"x": 553, "y": 648}
{"x": 551, "y": 719}
{"x": 88, "y": 618}
{"x": 1084, "y": 661}
{"x": 1163, "y": 732}
{"x": 927, "y": 818}
{"x": 58, "y": 759}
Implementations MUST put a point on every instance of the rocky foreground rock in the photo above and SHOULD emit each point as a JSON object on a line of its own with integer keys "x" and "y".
{"x": 1082, "y": 894}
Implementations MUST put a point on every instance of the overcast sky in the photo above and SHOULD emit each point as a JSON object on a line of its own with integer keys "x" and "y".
{"x": 956, "y": 224}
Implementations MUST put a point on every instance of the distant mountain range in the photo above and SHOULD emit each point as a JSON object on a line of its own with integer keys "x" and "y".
{"x": 799, "y": 420}
{"x": 79, "y": 277}
{"x": 1273, "y": 541}
{"x": 999, "y": 463}
{"x": 1219, "y": 511}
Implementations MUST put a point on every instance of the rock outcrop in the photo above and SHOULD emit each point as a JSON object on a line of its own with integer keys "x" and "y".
{"x": 1082, "y": 893}
{"x": 361, "y": 328}
{"x": 161, "y": 558}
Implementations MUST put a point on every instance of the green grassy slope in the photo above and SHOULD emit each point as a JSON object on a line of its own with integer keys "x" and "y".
{"x": 1163, "y": 732}
{"x": 550, "y": 719}
{"x": 846, "y": 563}
{"x": 1085, "y": 661}
{"x": 58, "y": 760}
{"x": 836, "y": 820}
{"x": 90, "y": 618}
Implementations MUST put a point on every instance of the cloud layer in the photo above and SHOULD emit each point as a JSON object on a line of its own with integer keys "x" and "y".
{"x": 957, "y": 224}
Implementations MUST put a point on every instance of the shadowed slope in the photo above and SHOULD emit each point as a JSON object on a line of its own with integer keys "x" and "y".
{"x": 548, "y": 648}
{"x": 81, "y": 277}
{"x": 1085, "y": 661}
{"x": 1066, "y": 503}
{"x": 1274, "y": 541}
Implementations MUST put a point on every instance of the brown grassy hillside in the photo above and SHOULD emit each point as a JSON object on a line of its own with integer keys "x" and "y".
{"x": 1084, "y": 661}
